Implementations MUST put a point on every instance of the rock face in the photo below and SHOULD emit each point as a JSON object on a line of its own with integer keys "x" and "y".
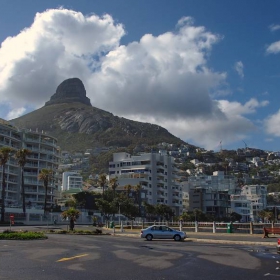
{"x": 69, "y": 91}
{"x": 77, "y": 125}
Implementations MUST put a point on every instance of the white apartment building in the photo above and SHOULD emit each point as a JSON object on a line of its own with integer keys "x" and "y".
{"x": 10, "y": 137}
{"x": 44, "y": 154}
{"x": 71, "y": 180}
{"x": 155, "y": 172}
{"x": 249, "y": 202}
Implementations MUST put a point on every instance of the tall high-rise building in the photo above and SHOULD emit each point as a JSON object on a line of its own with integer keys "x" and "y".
{"x": 44, "y": 154}
{"x": 155, "y": 172}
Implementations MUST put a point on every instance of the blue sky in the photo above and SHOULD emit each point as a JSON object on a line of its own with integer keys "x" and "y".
{"x": 208, "y": 71}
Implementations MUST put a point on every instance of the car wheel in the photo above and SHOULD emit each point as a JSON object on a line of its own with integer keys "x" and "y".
{"x": 149, "y": 237}
{"x": 177, "y": 237}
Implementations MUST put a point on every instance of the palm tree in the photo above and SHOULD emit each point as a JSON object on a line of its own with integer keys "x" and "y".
{"x": 128, "y": 189}
{"x": 5, "y": 153}
{"x": 114, "y": 184}
{"x": 137, "y": 189}
{"x": 45, "y": 175}
{"x": 21, "y": 156}
{"x": 102, "y": 180}
{"x": 71, "y": 213}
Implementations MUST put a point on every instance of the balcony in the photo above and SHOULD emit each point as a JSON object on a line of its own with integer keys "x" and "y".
{"x": 12, "y": 190}
{"x": 30, "y": 190}
{"x": 31, "y": 182}
{"x": 160, "y": 181}
{"x": 160, "y": 194}
{"x": 30, "y": 174}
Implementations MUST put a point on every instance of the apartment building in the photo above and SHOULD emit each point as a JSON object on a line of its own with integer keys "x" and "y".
{"x": 155, "y": 172}
{"x": 210, "y": 194}
{"x": 44, "y": 154}
{"x": 71, "y": 180}
{"x": 250, "y": 200}
{"x": 10, "y": 137}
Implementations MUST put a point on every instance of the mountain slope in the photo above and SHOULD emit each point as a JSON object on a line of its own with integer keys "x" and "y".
{"x": 78, "y": 127}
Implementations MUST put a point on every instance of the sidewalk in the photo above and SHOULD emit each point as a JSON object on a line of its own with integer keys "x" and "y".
{"x": 206, "y": 237}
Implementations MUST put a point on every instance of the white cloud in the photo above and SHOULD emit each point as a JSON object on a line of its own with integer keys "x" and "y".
{"x": 59, "y": 44}
{"x": 239, "y": 68}
{"x": 160, "y": 79}
{"x": 15, "y": 113}
{"x": 272, "y": 124}
{"x": 274, "y": 27}
{"x": 236, "y": 108}
{"x": 274, "y": 48}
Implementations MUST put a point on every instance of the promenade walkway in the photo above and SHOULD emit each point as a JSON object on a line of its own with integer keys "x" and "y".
{"x": 224, "y": 238}
{"x": 206, "y": 237}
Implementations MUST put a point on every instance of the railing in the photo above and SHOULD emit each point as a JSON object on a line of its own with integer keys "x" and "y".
{"x": 210, "y": 227}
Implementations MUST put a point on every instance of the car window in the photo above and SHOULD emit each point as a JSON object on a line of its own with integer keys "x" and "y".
{"x": 157, "y": 228}
{"x": 153, "y": 228}
{"x": 165, "y": 228}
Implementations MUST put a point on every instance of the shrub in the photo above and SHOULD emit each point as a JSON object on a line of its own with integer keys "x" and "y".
{"x": 22, "y": 235}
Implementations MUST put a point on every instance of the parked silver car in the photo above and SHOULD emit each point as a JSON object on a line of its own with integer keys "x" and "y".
{"x": 162, "y": 232}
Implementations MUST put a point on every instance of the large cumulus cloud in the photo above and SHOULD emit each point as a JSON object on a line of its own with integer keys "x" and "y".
{"x": 59, "y": 44}
{"x": 162, "y": 79}
{"x": 272, "y": 124}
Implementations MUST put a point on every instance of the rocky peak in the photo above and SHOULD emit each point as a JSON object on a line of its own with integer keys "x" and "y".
{"x": 69, "y": 91}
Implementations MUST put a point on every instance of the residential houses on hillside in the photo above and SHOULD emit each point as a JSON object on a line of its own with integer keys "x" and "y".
{"x": 164, "y": 181}
{"x": 161, "y": 174}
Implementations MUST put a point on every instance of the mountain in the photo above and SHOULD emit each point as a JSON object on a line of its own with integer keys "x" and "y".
{"x": 70, "y": 117}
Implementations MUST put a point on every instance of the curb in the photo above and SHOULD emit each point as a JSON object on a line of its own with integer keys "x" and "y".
{"x": 233, "y": 242}
{"x": 259, "y": 243}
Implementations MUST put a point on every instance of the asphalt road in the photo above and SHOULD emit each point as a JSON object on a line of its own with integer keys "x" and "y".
{"x": 119, "y": 257}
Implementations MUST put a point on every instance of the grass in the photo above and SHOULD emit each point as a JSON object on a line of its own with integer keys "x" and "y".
{"x": 21, "y": 235}
{"x": 77, "y": 232}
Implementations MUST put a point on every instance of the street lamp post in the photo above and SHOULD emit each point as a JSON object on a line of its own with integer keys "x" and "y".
{"x": 119, "y": 214}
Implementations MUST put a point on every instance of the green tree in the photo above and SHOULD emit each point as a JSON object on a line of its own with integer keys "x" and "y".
{"x": 107, "y": 205}
{"x": 137, "y": 189}
{"x": 185, "y": 217}
{"x": 72, "y": 214}
{"x": 5, "y": 153}
{"x": 102, "y": 181}
{"x": 262, "y": 214}
{"x": 149, "y": 210}
{"x": 128, "y": 189}
{"x": 129, "y": 209}
{"x": 164, "y": 211}
{"x": 198, "y": 215}
{"x": 46, "y": 176}
{"x": 235, "y": 217}
{"x": 83, "y": 199}
{"x": 113, "y": 183}
{"x": 71, "y": 203}
{"x": 269, "y": 216}
{"x": 21, "y": 156}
